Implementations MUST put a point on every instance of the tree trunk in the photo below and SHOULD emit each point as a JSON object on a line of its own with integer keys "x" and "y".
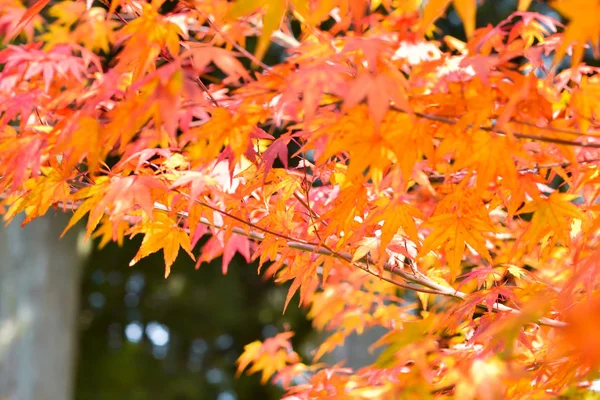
{"x": 39, "y": 293}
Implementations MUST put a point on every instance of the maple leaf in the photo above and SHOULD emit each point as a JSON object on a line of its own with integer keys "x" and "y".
{"x": 331, "y": 343}
{"x": 397, "y": 217}
{"x": 75, "y": 24}
{"x": 144, "y": 38}
{"x": 464, "y": 8}
{"x": 368, "y": 245}
{"x": 485, "y": 274}
{"x": 552, "y": 216}
{"x": 582, "y": 332}
{"x": 583, "y": 26}
{"x": 526, "y": 187}
{"x": 83, "y": 141}
{"x": 490, "y": 157}
{"x": 161, "y": 232}
{"x": 20, "y": 155}
{"x": 165, "y": 96}
{"x": 269, "y": 356}
{"x": 275, "y": 10}
{"x": 119, "y": 196}
{"x": 201, "y": 55}
{"x": 108, "y": 232}
{"x": 198, "y": 181}
{"x": 30, "y": 14}
{"x": 41, "y": 193}
{"x": 53, "y": 66}
{"x": 532, "y": 27}
{"x": 304, "y": 278}
{"x": 378, "y": 89}
{"x": 417, "y": 154}
{"x": 454, "y": 232}
{"x": 277, "y": 149}
{"x": 212, "y": 249}
{"x": 90, "y": 197}
{"x": 585, "y": 100}
{"x": 312, "y": 82}
{"x": 235, "y": 243}
{"x": 524, "y": 5}
{"x": 10, "y": 16}
{"x": 224, "y": 128}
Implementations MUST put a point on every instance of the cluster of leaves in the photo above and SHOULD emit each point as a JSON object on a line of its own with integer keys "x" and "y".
{"x": 425, "y": 166}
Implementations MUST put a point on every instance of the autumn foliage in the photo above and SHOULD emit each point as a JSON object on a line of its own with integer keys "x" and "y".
{"x": 444, "y": 190}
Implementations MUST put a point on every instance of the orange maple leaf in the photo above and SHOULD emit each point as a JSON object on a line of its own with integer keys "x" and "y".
{"x": 454, "y": 232}
{"x": 583, "y": 26}
{"x": 552, "y": 217}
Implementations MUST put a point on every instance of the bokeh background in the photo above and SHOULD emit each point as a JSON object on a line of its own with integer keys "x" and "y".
{"x": 144, "y": 337}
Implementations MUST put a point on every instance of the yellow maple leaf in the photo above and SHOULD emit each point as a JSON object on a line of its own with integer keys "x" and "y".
{"x": 91, "y": 196}
{"x": 315, "y": 12}
{"x": 524, "y": 5}
{"x": 109, "y": 231}
{"x": 274, "y": 11}
{"x": 269, "y": 356}
{"x": 42, "y": 192}
{"x": 161, "y": 233}
{"x": 251, "y": 352}
{"x": 331, "y": 343}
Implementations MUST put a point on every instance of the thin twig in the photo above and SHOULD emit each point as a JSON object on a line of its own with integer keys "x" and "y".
{"x": 519, "y": 135}
{"x": 428, "y": 285}
{"x": 292, "y": 43}
{"x": 317, "y": 248}
{"x": 258, "y": 234}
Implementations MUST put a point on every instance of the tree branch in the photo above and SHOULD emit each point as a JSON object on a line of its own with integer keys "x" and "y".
{"x": 430, "y": 286}
{"x": 417, "y": 277}
{"x": 449, "y": 121}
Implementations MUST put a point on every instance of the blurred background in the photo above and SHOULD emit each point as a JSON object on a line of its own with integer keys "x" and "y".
{"x": 178, "y": 338}
{"x": 77, "y": 322}
{"x": 74, "y": 317}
